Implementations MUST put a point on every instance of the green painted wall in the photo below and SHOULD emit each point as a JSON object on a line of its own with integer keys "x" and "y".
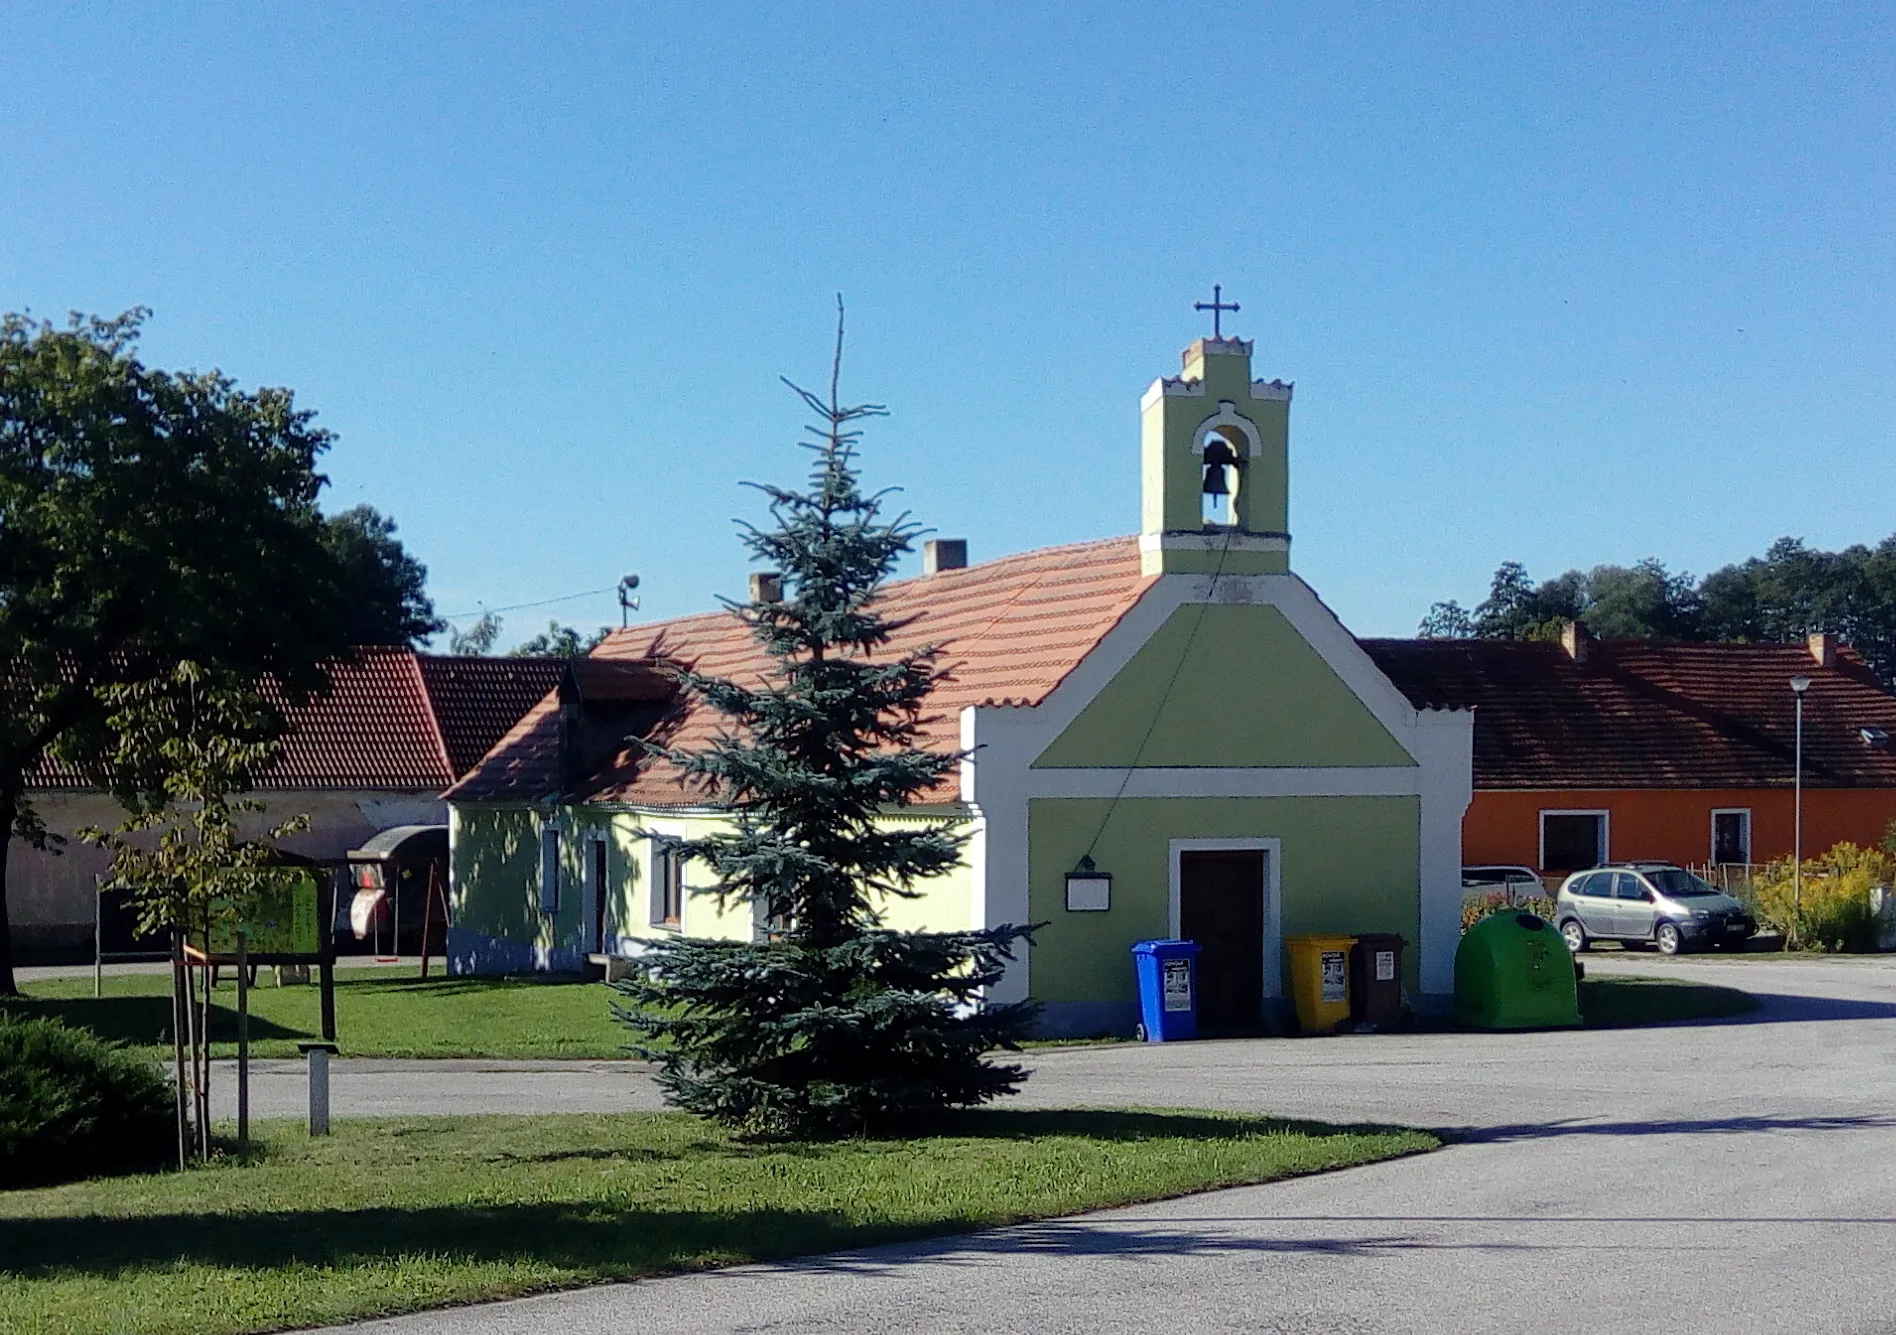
{"x": 1349, "y": 865}
{"x": 1250, "y": 691}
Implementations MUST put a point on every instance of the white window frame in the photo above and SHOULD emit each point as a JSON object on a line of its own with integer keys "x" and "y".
{"x": 664, "y": 860}
{"x": 1273, "y": 943}
{"x": 1606, "y": 831}
{"x": 1711, "y": 857}
{"x": 550, "y": 869}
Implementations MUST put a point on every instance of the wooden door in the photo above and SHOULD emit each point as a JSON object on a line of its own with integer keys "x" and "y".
{"x": 600, "y": 867}
{"x": 1221, "y": 907}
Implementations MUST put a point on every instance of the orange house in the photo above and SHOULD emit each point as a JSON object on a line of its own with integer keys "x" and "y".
{"x": 1589, "y": 751}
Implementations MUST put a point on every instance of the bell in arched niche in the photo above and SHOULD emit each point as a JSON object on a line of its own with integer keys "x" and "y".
{"x": 1221, "y": 481}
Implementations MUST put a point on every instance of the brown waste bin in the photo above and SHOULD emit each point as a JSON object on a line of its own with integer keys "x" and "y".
{"x": 1376, "y": 980}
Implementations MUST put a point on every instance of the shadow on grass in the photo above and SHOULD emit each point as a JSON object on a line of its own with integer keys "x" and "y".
{"x": 140, "y": 1021}
{"x": 588, "y": 1239}
{"x": 369, "y": 983}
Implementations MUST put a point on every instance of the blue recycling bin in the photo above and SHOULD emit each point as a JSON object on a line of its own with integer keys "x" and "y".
{"x": 1168, "y": 989}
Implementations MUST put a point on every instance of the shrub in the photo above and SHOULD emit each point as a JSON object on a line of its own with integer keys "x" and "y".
{"x": 1833, "y": 912}
{"x": 73, "y": 1105}
{"x": 1475, "y": 908}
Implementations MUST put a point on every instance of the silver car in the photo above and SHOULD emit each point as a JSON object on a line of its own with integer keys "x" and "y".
{"x": 1655, "y": 902}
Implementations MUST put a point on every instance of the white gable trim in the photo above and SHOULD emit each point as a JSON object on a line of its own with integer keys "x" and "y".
{"x": 1273, "y": 943}
{"x": 998, "y": 780}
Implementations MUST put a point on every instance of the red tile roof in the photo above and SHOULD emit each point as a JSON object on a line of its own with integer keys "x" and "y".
{"x": 393, "y": 720}
{"x": 1639, "y": 714}
{"x": 1011, "y": 630}
{"x": 476, "y": 700}
{"x": 374, "y": 729}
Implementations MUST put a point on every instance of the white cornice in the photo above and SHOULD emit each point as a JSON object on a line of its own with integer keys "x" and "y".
{"x": 1219, "y": 540}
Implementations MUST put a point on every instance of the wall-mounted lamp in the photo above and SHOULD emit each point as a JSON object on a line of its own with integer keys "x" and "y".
{"x": 1089, "y": 890}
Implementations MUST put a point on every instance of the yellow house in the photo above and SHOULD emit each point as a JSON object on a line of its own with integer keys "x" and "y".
{"x": 1167, "y": 735}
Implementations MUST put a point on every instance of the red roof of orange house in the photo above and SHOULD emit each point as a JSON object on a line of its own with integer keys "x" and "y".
{"x": 1010, "y": 631}
{"x": 1641, "y": 714}
{"x": 393, "y": 720}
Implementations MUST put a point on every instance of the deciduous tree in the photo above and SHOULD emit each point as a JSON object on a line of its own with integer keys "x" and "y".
{"x": 385, "y": 590}
{"x": 147, "y": 519}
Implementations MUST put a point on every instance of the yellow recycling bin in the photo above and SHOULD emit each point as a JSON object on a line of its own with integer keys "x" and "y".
{"x": 1320, "y": 981}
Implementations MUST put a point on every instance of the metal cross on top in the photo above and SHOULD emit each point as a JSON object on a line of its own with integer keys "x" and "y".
{"x": 1217, "y": 306}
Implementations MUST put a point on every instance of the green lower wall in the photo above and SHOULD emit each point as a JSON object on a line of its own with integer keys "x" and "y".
{"x": 1350, "y": 864}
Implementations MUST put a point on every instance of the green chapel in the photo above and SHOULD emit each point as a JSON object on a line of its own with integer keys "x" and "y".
{"x": 1170, "y": 735}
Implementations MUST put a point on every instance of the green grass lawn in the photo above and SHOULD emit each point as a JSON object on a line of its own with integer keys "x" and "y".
{"x": 384, "y": 1015}
{"x": 1610, "y": 1002}
{"x": 391, "y": 1216}
{"x": 378, "y": 1014}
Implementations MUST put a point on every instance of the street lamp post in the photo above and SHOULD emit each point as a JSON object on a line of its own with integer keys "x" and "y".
{"x": 1799, "y": 685}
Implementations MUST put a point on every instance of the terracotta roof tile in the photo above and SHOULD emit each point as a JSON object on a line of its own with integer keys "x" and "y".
{"x": 1640, "y": 714}
{"x": 393, "y": 720}
{"x": 476, "y": 700}
{"x": 1010, "y": 630}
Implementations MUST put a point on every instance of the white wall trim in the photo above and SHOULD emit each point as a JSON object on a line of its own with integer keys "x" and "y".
{"x": 1273, "y": 942}
{"x": 1223, "y": 540}
{"x": 1000, "y": 780}
{"x": 1606, "y": 829}
{"x": 1287, "y": 781}
{"x": 1711, "y": 847}
{"x": 1227, "y": 417}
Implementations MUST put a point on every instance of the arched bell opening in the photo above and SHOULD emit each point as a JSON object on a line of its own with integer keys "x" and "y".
{"x": 1223, "y": 475}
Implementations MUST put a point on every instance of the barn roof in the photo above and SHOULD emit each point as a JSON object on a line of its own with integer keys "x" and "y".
{"x": 393, "y": 720}
{"x": 1644, "y": 714}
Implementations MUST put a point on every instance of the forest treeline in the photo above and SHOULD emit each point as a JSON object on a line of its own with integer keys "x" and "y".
{"x": 1789, "y": 592}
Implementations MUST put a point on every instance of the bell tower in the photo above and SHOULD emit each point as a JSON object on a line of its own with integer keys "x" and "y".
{"x": 1214, "y": 467}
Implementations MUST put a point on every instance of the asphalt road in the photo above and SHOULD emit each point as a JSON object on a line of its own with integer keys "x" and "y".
{"x": 1730, "y": 1177}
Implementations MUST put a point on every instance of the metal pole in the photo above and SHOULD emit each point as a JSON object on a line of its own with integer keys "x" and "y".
{"x": 1797, "y": 823}
{"x": 243, "y": 1041}
{"x": 98, "y": 941}
{"x": 319, "y": 1091}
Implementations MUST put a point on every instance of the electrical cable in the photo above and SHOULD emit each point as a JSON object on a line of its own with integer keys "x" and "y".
{"x": 543, "y": 602}
{"x": 1158, "y": 712}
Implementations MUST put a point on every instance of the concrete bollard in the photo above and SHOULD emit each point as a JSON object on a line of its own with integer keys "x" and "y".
{"x": 318, "y": 1055}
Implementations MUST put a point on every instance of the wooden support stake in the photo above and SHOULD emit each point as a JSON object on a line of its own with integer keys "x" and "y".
{"x": 243, "y": 1041}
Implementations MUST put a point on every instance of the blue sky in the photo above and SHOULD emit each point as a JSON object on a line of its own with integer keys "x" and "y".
{"x": 1558, "y": 284}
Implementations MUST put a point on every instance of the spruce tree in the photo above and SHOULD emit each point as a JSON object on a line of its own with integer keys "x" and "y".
{"x": 832, "y": 1024}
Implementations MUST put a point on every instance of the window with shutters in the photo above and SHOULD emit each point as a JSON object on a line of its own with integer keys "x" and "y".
{"x": 668, "y": 884}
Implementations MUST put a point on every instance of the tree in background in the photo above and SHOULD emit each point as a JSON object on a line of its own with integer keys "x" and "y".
{"x": 385, "y": 590}
{"x": 186, "y": 746}
{"x": 558, "y": 641}
{"x": 1790, "y": 592}
{"x": 833, "y": 1024}
{"x": 478, "y": 638}
{"x": 147, "y": 519}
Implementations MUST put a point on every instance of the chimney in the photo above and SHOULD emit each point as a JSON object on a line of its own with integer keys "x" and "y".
{"x": 1823, "y": 648}
{"x": 766, "y": 586}
{"x": 1574, "y": 638}
{"x": 939, "y": 554}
